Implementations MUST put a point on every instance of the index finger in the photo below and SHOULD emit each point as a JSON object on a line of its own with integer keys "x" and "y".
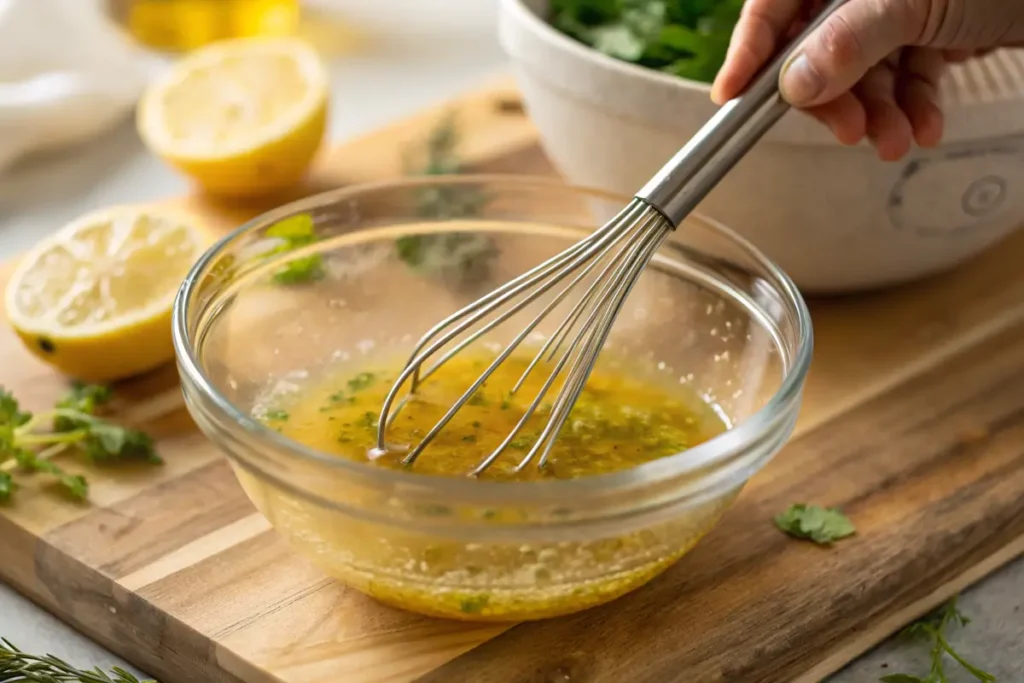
{"x": 762, "y": 25}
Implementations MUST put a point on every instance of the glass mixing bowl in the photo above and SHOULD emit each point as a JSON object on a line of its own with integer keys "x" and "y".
{"x": 370, "y": 268}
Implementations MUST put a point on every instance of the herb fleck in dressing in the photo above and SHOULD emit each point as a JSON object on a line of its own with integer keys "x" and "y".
{"x": 620, "y": 420}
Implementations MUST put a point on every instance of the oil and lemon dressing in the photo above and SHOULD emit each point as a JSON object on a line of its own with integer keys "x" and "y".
{"x": 622, "y": 419}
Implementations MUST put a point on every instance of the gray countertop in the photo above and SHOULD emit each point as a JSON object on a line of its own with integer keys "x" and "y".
{"x": 370, "y": 90}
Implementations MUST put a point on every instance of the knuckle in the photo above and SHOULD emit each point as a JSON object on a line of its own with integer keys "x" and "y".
{"x": 840, "y": 42}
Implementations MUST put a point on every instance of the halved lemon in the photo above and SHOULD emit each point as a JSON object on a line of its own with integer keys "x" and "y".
{"x": 94, "y": 299}
{"x": 241, "y": 117}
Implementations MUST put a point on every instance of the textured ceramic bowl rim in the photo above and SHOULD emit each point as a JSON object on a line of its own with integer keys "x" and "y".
{"x": 765, "y": 423}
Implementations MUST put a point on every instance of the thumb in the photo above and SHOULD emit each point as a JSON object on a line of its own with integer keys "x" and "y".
{"x": 858, "y": 35}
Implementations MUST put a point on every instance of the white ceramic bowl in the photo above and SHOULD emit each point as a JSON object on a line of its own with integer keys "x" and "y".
{"x": 835, "y": 218}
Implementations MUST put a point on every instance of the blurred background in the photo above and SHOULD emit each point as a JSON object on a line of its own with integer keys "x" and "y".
{"x": 386, "y": 57}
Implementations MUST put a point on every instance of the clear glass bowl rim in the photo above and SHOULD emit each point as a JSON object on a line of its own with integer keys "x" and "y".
{"x": 711, "y": 453}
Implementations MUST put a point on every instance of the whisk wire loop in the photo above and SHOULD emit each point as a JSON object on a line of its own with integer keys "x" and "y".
{"x": 625, "y": 245}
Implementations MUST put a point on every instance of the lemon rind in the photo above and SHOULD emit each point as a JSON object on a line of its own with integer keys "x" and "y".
{"x": 149, "y": 113}
{"x": 46, "y": 326}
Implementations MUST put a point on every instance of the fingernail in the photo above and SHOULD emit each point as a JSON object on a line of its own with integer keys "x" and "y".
{"x": 801, "y": 83}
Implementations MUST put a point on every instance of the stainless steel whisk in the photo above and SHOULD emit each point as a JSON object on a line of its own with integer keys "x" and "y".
{"x": 622, "y": 248}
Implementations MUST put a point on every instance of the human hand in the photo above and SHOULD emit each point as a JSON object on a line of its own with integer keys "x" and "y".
{"x": 872, "y": 68}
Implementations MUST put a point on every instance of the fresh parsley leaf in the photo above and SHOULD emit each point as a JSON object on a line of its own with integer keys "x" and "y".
{"x": 81, "y": 398}
{"x": 933, "y": 630}
{"x": 11, "y": 414}
{"x": 296, "y": 232}
{"x": 74, "y": 485}
{"x": 815, "y": 523}
{"x": 276, "y": 415}
{"x": 74, "y": 425}
{"x": 106, "y": 442}
{"x": 688, "y": 38}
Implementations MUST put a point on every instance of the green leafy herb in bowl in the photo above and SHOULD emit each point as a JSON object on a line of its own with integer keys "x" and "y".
{"x": 688, "y": 38}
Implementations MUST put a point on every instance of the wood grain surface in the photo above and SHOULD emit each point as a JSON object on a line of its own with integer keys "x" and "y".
{"x": 913, "y": 421}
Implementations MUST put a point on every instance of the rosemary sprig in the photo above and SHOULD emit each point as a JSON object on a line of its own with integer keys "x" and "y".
{"x": 933, "y": 629}
{"x": 17, "y": 666}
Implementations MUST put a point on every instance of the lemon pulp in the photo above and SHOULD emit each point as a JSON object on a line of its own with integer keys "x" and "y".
{"x": 94, "y": 299}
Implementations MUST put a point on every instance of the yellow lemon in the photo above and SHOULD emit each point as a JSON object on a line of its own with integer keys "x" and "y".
{"x": 94, "y": 299}
{"x": 241, "y": 117}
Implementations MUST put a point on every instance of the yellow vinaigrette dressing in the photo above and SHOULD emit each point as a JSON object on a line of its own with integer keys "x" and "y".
{"x": 622, "y": 419}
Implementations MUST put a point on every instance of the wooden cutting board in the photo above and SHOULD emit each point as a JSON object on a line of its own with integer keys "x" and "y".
{"x": 913, "y": 422}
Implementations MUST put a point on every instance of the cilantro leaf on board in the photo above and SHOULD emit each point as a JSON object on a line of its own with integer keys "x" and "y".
{"x": 815, "y": 523}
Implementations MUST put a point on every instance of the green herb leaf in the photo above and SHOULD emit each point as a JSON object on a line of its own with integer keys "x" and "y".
{"x": 7, "y": 486}
{"x": 688, "y": 38}
{"x": 296, "y": 232}
{"x": 465, "y": 256}
{"x": 81, "y": 398}
{"x": 370, "y": 420}
{"x": 74, "y": 425}
{"x": 276, "y": 415}
{"x": 815, "y": 523}
{"x": 106, "y": 442}
{"x": 11, "y": 414}
{"x": 301, "y": 270}
{"x": 522, "y": 442}
{"x": 18, "y": 666}
{"x": 74, "y": 485}
{"x": 933, "y": 629}
{"x": 361, "y": 381}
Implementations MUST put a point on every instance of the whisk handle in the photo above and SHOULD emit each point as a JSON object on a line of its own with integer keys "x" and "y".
{"x": 698, "y": 167}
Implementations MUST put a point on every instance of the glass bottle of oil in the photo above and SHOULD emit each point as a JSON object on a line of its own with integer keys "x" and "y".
{"x": 182, "y": 25}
